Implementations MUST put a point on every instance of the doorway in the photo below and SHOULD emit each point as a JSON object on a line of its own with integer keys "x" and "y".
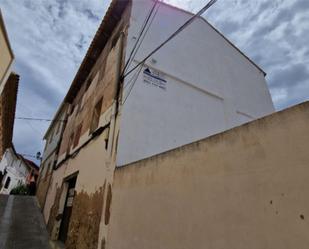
{"x": 67, "y": 211}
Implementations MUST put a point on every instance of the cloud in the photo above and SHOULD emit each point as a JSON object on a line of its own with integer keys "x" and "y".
{"x": 50, "y": 39}
{"x": 274, "y": 34}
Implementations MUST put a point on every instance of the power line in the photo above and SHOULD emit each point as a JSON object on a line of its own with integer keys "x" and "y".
{"x": 28, "y": 155}
{"x": 140, "y": 34}
{"x": 40, "y": 119}
{"x": 134, "y": 81}
{"x": 30, "y": 125}
{"x": 181, "y": 28}
{"x": 136, "y": 75}
{"x": 128, "y": 83}
{"x": 136, "y": 50}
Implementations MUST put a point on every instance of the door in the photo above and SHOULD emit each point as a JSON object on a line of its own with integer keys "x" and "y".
{"x": 65, "y": 221}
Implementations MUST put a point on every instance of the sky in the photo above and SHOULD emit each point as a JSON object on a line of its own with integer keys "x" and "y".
{"x": 50, "y": 38}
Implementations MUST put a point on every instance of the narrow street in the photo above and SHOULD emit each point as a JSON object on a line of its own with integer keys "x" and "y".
{"x": 21, "y": 224}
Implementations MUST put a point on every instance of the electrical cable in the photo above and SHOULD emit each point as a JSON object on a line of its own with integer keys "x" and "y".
{"x": 181, "y": 28}
{"x": 140, "y": 34}
{"x": 40, "y": 119}
{"x": 137, "y": 74}
{"x": 136, "y": 50}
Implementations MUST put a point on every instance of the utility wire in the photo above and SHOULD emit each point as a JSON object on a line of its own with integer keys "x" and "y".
{"x": 40, "y": 119}
{"x": 136, "y": 50}
{"x": 136, "y": 75}
{"x": 30, "y": 125}
{"x": 135, "y": 79}
{"x": 181, "y": 28}
{"x": 140, "y": 35}
{"x": 27, "y": 155}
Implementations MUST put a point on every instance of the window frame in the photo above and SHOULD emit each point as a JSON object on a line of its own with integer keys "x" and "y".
{"x": 95, "y": 120}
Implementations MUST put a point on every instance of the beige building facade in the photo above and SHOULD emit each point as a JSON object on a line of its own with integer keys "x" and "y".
{"x": 7, "y": 56}
{"x": 243, "y": 188}
{"x": 76, "y": 193}
{"x": 86, "y": 158}
{"x": 8, "y": 90}
{"x": 53, "y": 138}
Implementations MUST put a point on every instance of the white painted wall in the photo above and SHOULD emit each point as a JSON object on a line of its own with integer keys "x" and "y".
{"x": 53, "y": 135}
{"x": 211, "y": 86}
{"x": 16, "y": 170}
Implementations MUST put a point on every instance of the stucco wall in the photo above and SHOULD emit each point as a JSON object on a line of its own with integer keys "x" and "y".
{"x": 54, "y": 134}
{"x": 103, "y": 78}
{"x": 244, "y": 188}
{"x": 16, "y": 169}
{"x": 92, "y": 165}
{"x": 93, "y": 157}
{"x": 7, "y": 56}
{"x": 44, "y": 181}
{"x": 210, "y": 86}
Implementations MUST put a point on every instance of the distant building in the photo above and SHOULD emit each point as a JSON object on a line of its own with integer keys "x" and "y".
{"x": 8, "y": 90}
{"x": 16, "y": 170}
{"x": 198, "y": 85}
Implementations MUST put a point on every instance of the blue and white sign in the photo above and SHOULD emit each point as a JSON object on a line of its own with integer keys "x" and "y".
{"x": 154, "y": 78}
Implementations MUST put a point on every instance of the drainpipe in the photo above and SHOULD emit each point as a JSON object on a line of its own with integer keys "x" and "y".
{"x": 119, "y": 69}
{"x": 119, "y": 82}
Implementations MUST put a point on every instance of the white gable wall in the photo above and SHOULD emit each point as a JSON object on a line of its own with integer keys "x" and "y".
{"x": 210, "y": 86}
{"x": 16, "y": 170}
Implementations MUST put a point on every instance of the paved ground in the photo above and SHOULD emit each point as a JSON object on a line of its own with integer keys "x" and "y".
{"x": 21, "y": 224}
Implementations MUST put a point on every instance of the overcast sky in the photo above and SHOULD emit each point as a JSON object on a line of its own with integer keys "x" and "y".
{"x": 50, "y": 38}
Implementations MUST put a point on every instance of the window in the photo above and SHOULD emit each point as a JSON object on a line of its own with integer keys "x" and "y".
{"x": 58, "y": 126}
{"x": 77, "y": 135}
{"x": 106, "y": 135}
{"x": 108, "y": 204}
{"x": 115, "y": 40}
{"x": 70, "y": 143}
{"x": 7, "y": 182}
{"x": 72, "y": 109}
{"x": 96, "y": 116}
{"x": 51, "y": 137}
{"x": 88, "y": 83}
{"x": 80, "y": 104}
{"x": 47, "y": 170}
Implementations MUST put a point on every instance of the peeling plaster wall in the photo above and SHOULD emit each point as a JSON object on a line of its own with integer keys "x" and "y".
{"x": 92, "y": 160}
{"x": 103, "y": 78}
{"x": 85, "y": 221}
{"x": 45, "y": 180}
{"x": 94, "y": 170}
{"x": 244, "y": 188}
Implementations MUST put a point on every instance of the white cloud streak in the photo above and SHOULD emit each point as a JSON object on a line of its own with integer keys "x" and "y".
{"x": 50, "y": 38}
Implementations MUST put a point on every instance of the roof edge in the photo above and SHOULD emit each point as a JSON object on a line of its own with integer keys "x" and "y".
{"x": 216, "y": 30}
{"x": 213, "y": 137}
{"x": 6, "y": 37}
{"x": 60, "y": 108}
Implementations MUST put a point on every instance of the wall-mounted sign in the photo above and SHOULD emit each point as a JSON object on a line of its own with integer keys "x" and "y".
{"x": 154, "y": 78}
